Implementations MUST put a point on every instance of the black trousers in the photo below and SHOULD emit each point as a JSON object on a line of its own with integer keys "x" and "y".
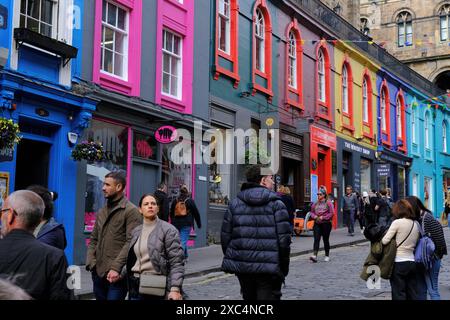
{"x": 322, "y": 230}
{"x": 260, "y": 286}
{"x": 405, "y": 281}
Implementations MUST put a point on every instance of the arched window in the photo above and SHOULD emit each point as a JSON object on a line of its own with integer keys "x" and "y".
{"x": 413, "y": 126}
{"x": 444, "y": 137}
{"x": 399, "y": 119}
{"x": 427, "y": 130}
{"x": 365, "y": 94}
{"x": 405, "y": 32}
{"x": 292, "y": 63}
{"x": 260, "y": 41}
{"x": 444, "y": 14}
{"x": 322, "y": 76}
{"x": 345, "y": 96}
{"x": 383, "y": 110}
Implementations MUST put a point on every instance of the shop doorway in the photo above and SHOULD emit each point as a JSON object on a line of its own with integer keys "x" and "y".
{"x": 32, "y": 164}
{"x": 144, "y": 180}
{"x": 291, "y": 178}
{"x": 321, "y": 169}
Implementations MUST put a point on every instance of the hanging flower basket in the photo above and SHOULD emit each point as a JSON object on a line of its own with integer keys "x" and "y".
{"x": 9, "y": 133}
{"x": 88, "y": 150}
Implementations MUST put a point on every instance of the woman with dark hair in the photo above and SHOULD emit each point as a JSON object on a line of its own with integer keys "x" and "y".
{"x": 285, "y": 194}
{"x": 433, "y": 229}
{"x": 183, "y": 212}
{"x": 155, "y": 250}
{"x": 405, "y": 279}
{"x": 49, "y": 231}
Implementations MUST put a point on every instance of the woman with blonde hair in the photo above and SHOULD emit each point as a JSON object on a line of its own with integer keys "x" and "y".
{"x": 285, "y": 194}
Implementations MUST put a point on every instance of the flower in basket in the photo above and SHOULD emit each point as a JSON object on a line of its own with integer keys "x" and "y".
{"x": 88, "y": 150}
{"x": 9, "y": 133}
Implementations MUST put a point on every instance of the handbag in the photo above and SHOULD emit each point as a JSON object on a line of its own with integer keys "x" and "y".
{"x": 149, "y": 283}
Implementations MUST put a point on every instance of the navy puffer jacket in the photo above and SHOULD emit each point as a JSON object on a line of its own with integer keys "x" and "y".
{"x": 256, "y": 234}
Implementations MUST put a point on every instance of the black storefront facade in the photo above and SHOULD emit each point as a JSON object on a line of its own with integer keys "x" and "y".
{"x": 392, "y": 171}
{"x": 356, "y": 166}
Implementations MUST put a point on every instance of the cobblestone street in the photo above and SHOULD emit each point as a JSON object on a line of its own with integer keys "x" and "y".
{"x": 336, "y": 280}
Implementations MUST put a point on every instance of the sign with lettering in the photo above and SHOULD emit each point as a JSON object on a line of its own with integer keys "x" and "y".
{"x": 383, "y": 170}
{"x": 357, "y": 148}
{"x": 323, "y": 137}
{"x": 314, "y": 187}
{"x": 166, "y": 134}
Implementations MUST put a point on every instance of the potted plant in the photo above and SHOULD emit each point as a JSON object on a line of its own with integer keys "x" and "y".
{"x": 88, "y": 150}
{"x": 9, "y": 133}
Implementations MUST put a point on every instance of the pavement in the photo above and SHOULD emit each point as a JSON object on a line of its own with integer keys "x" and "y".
{"x": 208, "y": 259}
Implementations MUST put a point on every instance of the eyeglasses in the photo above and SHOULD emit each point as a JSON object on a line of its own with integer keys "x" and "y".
{"x": 3, "y": 210}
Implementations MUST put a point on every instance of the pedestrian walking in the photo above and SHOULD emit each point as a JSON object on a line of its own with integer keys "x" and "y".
{"x": 163, "y": 201}
{"x": 384, "y": 209}
{"x": 360, "y": 214}
{"x": 405, "y": 279}
{"x": 49, "y": 231}
{"x": 256, "y": 238}
{"x": 155, "y": 254}
{"x": 110, "y": 238}
{"x": 285, "y": 194}
{"x": 37, "y": 268}
{"x": 183, "y": 212}
{"x": 433, "y": 229}
{"x": 349, "y": 208}
{"x": 322, "y": 212}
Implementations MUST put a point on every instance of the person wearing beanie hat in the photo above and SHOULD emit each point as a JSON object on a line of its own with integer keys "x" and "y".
{"x": 322, "y": 212}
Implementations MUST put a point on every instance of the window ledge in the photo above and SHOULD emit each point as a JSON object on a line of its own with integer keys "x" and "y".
{"x": 348, "y": 127}
{"x": 386, "y": 143}
{"x": 114, "y": 83}
{"x": 445, "y": 153}
{"x": 368, "y": 136}
{"x": 172, "y": 103}
{"x": 219, "y": 70}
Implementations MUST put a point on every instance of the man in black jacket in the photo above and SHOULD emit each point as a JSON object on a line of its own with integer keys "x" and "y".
{"x": 37, "y": 268}
{"x": 163, "y": 201}
{"x": 256, "y": 238}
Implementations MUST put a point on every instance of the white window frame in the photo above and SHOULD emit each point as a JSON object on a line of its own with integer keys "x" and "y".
{"x": 365, "y": 92}
{"x": 115, "y": 30}
{"x": 179, "y": 58}
{"x": 345, "y": 97}
{"x": 292, "y": 60}
{"x": 65, "y": 12}
{"x": 444, "y": 22}
{"x": 383, "y": 111}
{"x": 224, "y": 9}
{"x": 54, "y": 22}
{"x": 404, "y": 29}
{"x": 321, "y": 76}
{"x": 427, "y": 131}
{"x": 444, "y": 137}
{"x": 399, "y": 119}
{"x": 415, "y": 185}
{"x": 260, "y": 29}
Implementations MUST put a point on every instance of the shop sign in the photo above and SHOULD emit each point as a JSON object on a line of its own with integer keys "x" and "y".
{"x": 383, "y": 170}
{"x": 314, "y": 187}
{"x": 166, "y": 134}
{"x": 357, "y": 148}
{"x": 389, "y": 158}
{"x": 323, "y": 137}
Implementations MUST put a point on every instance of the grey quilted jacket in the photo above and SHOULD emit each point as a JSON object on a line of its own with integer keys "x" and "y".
{"x": 165, "y": 251}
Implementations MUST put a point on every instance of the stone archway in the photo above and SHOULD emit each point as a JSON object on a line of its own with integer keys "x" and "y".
{"x": 442, "y": 80}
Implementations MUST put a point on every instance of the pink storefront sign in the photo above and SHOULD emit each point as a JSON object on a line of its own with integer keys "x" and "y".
{"x": 166, "y": 134}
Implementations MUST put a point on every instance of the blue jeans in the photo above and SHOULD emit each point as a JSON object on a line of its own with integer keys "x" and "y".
{"x": 104, "y": 290}
{"x": 431, "y": 278}
{"x": 349, "y": 220}
{"x": 184, "y": 237}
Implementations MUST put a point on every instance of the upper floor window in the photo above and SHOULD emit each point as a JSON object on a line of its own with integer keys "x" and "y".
{"x": 413, "y": 126}
{"x": 427, "y": 130}
{"x": 260, "y": 41}
{"x": 444, "y": 137}
{"x": 224, "y": 26}
{"x": 114, "y": 44}
{"x": 404, "y": 24}
{"x": 39, "y": 16}
{"x": 383, "y": 111}
{"x": 292, "y": 65}
{"x": 444, "y": 14}
{"x": 399, "y": 119}
{"x": 365, "y": 109}
{"x": 322, "y": 76}
{"x": 345, "y": 96}
{"x": 171, "y": 70}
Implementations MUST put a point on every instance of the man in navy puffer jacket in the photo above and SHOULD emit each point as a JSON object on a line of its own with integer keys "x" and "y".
{"x": 256, "y": 238}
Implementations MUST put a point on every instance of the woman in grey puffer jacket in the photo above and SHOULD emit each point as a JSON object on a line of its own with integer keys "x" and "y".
{"x": 155, "y": 248}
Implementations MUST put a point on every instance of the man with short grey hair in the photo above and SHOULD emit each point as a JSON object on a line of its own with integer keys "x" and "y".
{"x": 37, "y": 268}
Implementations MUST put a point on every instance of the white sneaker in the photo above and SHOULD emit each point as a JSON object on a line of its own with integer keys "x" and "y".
{"x": 326, "y": 259}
